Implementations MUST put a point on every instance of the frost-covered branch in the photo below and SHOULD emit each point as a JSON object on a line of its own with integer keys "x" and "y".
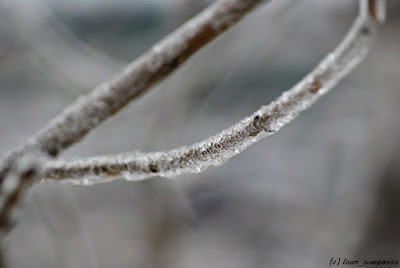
{"x": 107, "y": 99}
{"x": 26, "y": 171}
{"x": 264, "y": 122}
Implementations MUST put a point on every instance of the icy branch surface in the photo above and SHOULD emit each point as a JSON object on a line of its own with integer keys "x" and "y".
{"x": 264, "y": 122}
{"x": 107, "y": 99}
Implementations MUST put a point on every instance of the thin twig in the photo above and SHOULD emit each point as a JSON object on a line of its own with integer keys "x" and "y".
{"x": 264, "y": 122}
{"x": 107, "y": 99}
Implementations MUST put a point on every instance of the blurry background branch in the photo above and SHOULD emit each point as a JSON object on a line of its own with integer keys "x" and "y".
{"x": 50, "y": 42}
{"x": 25, "y": 172}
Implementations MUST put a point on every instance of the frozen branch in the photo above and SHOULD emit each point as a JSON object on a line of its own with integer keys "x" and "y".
{"x": 107, "y": 99}
{"x": 26, "y": 171}
{"x": 264, "y": 122}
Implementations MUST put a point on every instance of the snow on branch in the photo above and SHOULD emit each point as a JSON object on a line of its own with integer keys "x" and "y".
{"x": 264, "y": 122}
{"x": 105, "y": 100}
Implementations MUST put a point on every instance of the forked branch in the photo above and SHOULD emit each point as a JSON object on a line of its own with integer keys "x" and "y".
{"x": 107, "y": 99}
{"x": 264, "y": 122}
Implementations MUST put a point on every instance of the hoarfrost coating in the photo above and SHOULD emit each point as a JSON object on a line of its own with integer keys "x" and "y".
{"x": 71, "y": 125}
{"x": 219, "y": 148}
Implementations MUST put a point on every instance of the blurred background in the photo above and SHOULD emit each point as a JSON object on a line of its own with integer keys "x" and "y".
{"x": 326, "y": 186}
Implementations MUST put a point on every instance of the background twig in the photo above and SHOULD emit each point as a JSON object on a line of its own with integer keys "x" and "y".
{"x": 25, "y": 172}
